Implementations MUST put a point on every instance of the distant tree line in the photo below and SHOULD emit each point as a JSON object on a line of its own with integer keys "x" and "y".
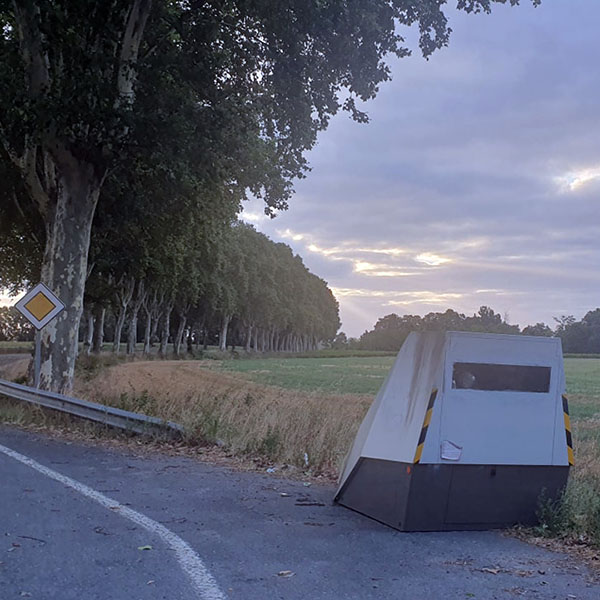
{"x": 390, "y": 331}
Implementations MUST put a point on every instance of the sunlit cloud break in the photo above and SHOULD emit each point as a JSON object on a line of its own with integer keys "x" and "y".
{"x": 398, "y": 298}
{"x": 358, "y": 293}
{"x": 380, "y": 270}
{"x": 345, "y": 250}
{"x": 423, "y": 297}
{"x": 252, "y": 217}
{"x": 574, "y": 180}
{"x": 288, "y": 234}
{"x": 430, "y": 259}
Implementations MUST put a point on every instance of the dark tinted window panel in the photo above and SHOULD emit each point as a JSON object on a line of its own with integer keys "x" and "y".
{"x": 500, "y": 378}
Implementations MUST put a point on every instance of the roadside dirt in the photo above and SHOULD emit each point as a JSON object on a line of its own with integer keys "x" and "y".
{"x": 13, "y": 366}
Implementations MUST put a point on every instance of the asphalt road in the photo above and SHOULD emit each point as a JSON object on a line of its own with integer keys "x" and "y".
{"x": 74, "y": 520}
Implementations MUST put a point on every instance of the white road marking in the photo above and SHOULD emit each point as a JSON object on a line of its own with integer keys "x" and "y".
{"x": 190, "y": 562}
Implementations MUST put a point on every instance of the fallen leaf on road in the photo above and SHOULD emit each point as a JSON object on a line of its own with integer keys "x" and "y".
{"x": 144, "y": 547}
{"x": 286, "y": 574}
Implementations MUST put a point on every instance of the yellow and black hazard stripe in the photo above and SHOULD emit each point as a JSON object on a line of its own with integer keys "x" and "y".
{"x": 426, "y": 422}
{"x": 568, "y": 430}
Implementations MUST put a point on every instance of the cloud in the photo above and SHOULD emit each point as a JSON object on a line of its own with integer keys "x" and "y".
{"x": 574, "y": 180}
{"x": 431, "y": 259}
{"x": 253, "y": 218}
{"x": 424, "y": 298}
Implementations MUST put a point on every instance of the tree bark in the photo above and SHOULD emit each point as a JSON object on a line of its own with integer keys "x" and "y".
{"x": 99, "y": 330}
{"x": 64, "y": 269}
{"x": 258, "y": 339}
{"x": 272, "y": 340}
{"x": 248, "y": 338}
{"x": 166, "y": 330}
{"x": 190, "y": 339}
{"x": 223, "y": 333}
{"x": 132, "y": 333}
{"x": 180, "y": 331}
{"x": 124, "y": 296}
{"x": 277, "y": 342}
{"x": 155, "y": 316}
{"x": 135, "y": 309}
{"x": 89, "y": 334}
{"x": 152, "y": 315}
{"x": 147, "y": 329}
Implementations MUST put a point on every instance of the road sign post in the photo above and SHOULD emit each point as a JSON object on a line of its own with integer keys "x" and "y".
{"x": 39, "y": 306}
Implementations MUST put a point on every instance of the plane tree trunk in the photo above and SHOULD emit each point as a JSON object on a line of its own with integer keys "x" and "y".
{"x": 223, "y": 333}
{"x": 166, "y": 329}
{"x": 124, "y": 296}
{"x": 89, "y": 334}
{"x": 64, "y": 268}
{"x": 99, "y": 329}
{"x": 182, "y": 313}
{"x": 135, "y": 310}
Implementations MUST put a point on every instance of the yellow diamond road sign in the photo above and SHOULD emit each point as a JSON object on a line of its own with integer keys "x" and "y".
{"x": 39, "y": 306}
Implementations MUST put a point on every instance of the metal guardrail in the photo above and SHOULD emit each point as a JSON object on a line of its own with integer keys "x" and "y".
{"x": 116, "y": 417}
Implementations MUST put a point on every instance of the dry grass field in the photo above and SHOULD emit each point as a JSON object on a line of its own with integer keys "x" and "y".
{"x": 279, "y": 424}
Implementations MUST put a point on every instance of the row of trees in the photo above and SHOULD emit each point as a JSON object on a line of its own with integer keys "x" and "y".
{"x": 390, "y": 331}
{"x": 243, "y": 289}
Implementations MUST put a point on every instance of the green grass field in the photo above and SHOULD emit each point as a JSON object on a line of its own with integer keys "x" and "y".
{"x": 353, "y": 375}
{"x": 364, "y": 375}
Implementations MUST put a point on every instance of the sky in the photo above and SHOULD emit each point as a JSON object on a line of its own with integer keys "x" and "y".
{"x": 476, "y": 182}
